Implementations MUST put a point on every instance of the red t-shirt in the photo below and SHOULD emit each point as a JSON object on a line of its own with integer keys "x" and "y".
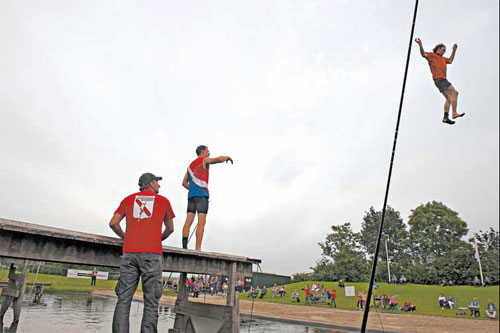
{"x": 334, "y": 293}
{"x": 145, "y": 212}
{"x": 308, "y": 291}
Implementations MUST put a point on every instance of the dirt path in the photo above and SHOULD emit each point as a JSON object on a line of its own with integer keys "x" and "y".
{"x": 398, "y": 322}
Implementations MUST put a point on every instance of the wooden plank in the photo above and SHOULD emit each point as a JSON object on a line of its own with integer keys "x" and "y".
{"x": 19, "y": 242}
{"x": 51, "y": 232}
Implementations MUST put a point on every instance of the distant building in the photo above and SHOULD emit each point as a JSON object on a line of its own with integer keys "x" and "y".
{"x": 266, "y": 279}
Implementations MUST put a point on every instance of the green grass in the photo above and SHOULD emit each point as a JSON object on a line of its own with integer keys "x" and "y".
{"x": 62, "y": 284}
{"x": 425, "y": 297}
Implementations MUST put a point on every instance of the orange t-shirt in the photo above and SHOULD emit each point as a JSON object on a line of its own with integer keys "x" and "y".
{"x": 437, "y": 65}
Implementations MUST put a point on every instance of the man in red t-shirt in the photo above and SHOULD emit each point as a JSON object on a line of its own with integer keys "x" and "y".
{"x": 145, "y": 212}
{"x": 333, "y": 296}
{"x": 307, "y": 291}
{"x": 437, "y": 64}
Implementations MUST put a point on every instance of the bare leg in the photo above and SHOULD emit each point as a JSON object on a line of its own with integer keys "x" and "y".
{"x": 202, "y": 219}
{"x": 447, "y": 105}
{"x": 187, "y": 224}
{"x": 454, "y": 100}
{"x": 448, "y": 95}
{"x": 449, "y": 101}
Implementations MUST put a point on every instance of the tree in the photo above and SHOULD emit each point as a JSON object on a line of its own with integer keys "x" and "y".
{"x": 394, "y": 231}
{"x": 488, "y": 245}
{"x": 435, "y": 231}
{"x": 436, "y": 246}
{"x": 342, "y": 256}
{"x": 298, "y": 277}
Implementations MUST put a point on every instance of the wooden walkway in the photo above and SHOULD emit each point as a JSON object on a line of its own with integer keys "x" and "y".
{"x": 22, "y": 242}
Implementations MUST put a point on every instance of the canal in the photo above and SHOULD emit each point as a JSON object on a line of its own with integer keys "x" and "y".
{"x": 84, "y": 313}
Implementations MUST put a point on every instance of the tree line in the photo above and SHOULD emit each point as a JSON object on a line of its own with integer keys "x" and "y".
{"x": 429, "y": 249}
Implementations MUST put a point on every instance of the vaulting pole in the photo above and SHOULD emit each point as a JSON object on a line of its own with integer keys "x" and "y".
{"x": 375, "y": 258}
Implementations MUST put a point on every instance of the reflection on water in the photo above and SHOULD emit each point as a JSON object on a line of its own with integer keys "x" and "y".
{"x": 264, "y": 326}
{"x": 81, "y": 313}
{"x": 89, "y": 314}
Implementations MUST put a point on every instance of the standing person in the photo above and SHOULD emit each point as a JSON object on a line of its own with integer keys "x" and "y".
{"x": 476, "y": 281}
{"x": 437, "y": 64}
{"x": 359, "y": 305}
{"x": 333, "y": 296}
{"x": 93, "y": 276}
{"x": 196, "y": 182}
{"x": 307, "y": 291}
{"x": 145, "y": 211}
{"x": 274, "y": 290}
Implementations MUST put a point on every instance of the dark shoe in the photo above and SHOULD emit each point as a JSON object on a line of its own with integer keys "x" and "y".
{"x": 448, "y": 121}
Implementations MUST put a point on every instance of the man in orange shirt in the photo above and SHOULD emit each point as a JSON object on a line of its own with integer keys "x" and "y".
{"x": 437, "y": 64}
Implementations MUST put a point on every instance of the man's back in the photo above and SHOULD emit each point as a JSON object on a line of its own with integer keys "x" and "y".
{"x": 145, "y": 212}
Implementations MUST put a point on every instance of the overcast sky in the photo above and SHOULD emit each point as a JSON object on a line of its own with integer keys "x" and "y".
{"x": 303, "y": 95}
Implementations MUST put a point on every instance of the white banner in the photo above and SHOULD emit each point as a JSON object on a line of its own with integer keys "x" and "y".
{"x": 350, "y": 291}
{"x": 78, "y": 273}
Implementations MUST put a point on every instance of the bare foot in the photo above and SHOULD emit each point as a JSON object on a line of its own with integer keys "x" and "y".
{"x": 458, "y": 115}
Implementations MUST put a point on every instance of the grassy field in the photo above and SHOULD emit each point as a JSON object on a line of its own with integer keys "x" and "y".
{"x": 425, "y": 297}
{"x": 61, "y": 284}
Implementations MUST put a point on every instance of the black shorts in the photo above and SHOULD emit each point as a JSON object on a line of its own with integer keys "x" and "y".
{"x": 197, "y": 205}
{"x": 442, "y": 84}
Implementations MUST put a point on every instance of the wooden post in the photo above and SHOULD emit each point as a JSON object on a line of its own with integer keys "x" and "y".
{"x": 18, "y": 305}
{"x": 181, "y": 320}
{"x": 14, "y": 294}
{"x": 232, "y": 299}
{"x": 183, "y": 290}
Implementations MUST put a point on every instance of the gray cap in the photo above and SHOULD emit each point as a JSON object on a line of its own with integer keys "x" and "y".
{"x": 147, "y": 178}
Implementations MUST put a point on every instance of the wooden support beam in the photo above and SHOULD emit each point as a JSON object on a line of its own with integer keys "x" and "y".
{"x": 204, "y": 310}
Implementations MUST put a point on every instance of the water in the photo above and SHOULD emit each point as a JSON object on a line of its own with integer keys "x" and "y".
{"x": 88, "y": 314}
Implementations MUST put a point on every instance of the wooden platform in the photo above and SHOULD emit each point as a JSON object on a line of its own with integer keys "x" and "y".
{"x": 21, "y": 242}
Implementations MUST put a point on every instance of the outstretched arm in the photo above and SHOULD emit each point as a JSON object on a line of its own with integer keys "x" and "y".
{"x": 421, "y": 47}
{"x": 207, "y": 160}
{"x": 185, "y": 181}
{"x": 115, "y": 225}
{"x": 450, "y": 60}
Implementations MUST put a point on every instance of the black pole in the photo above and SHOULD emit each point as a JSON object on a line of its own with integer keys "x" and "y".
{"x": 375, "y": 258}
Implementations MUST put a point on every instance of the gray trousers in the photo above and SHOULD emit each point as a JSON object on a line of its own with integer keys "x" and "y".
{"x": 135, "y": 265}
